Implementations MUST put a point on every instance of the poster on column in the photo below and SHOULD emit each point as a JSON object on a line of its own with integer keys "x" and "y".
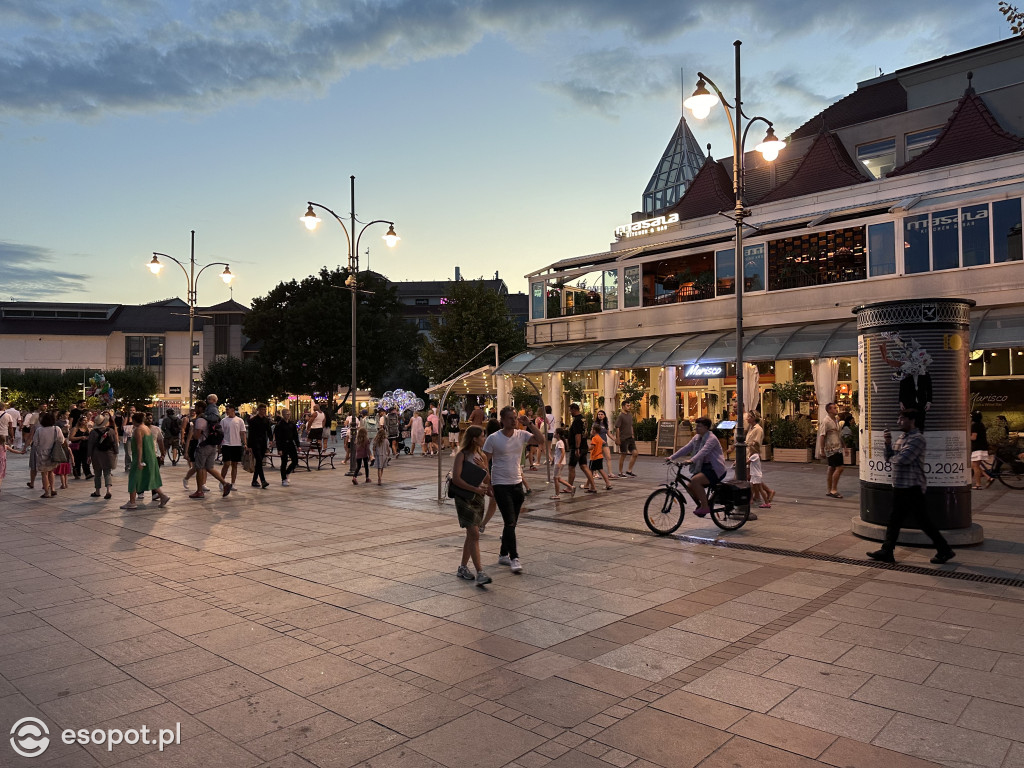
{"x": 918, "y": 368}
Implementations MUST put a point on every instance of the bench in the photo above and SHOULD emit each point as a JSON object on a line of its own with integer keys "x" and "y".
{"x": 308, "y": 453}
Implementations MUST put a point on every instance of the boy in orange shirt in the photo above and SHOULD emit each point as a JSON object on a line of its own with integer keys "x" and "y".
{"x": 597, "y": 461}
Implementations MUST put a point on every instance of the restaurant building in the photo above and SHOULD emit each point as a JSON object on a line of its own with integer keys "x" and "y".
{"x": 908, "y": 187}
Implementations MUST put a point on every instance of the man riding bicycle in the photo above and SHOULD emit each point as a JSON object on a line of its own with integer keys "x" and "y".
{"x": 706, "y": 456}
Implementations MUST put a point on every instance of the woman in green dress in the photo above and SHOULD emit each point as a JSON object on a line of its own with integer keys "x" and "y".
{"x": 145, "y": 472}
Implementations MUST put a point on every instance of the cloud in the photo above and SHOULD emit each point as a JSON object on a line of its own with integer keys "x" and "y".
{"x": 606, "y": 79}
{"x": 26, "y": 275}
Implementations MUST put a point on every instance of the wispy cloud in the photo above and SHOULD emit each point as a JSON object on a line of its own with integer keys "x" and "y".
{"x": 27, "y": 273}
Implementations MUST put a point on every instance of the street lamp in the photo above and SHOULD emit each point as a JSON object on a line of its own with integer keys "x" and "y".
{"x": 311, "y": 220}
{"x": 700, "y": 104}
{"x": 192, "y": 278}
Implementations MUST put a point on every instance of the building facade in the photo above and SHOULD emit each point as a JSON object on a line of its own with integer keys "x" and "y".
{"x": 910, "y": 186}
{"x": 422, "y": 300}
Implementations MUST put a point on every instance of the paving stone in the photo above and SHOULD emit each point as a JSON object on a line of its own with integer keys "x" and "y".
{"x": 740, "y": 689}
{"x": 829, "y": 678}
{"x": 259, "y": 713}
{"x": 99, "y": 704}
{"x": 848, "y": 753}
{"x": 559, "y": 702}
{"x": 400, "y": 646}
{"x": 457, "y": 744}
{"x": 739, "y": 751}
{"x": 833, "y": 714}
{"x": 894, "y": 665}
{"x": 211, "y": 689}
{"x": 367, "y": 697}
{"x": 992, "y": 717}
{"x": 663, "y": 738}
{"x": 351, "y": 746}
{"x": 940, "y": 742}
{"x": 543, "y": 664}
{"x": 297, "y": 736}
{"x": 452, "y": 665}
{"x": 952, "y": 653}
{"x": 584, "y": 647}
{"x": 700, "y": 709}
{"x": 792, "y": 737}
{"x": 423, "y": 715}
{"x": 77, "y": 678}
{"x": 645, "y": 663}
{"x": 913, "y": 699}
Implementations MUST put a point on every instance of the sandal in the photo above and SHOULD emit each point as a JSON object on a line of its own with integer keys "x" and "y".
{"x": 834, "y": 495}
{"x": 976, "y": 487}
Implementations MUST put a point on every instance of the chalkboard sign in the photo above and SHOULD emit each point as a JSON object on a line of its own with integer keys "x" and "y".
{"x": 666, "y": 436}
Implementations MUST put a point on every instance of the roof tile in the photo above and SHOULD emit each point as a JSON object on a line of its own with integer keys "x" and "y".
{"x": 709, "y": 192}
{"x": 827, "y": 165}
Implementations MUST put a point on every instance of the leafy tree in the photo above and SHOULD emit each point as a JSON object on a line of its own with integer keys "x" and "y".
{"x": 305, "y": 329}
{"x": 133, "y": 385}
{"x": 235, "y": 380}
{"x": 473, "y": 317}
{"x": 34, "y": 387}
{"x": 1014, "y": 17}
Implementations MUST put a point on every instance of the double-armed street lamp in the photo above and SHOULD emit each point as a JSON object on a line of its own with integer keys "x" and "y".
{"x": 192, "y": 278}
{"x": 311, "y": 220}
{"x": 700, "y": 104}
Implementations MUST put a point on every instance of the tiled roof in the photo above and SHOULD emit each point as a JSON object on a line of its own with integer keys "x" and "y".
{"x": 971, "y": 133}
{"x": 868, "y": 103}
{"x": 227, "y": 306}
{"x": 710, "y": 192}
{"x": 412, "y": 288}
{"x": 827, "y": 165}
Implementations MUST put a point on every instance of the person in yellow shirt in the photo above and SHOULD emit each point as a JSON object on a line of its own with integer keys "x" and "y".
{"x": 597, "y": 461}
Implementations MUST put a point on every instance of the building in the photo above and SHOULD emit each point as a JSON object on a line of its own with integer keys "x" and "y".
{"x": 424, "y": 299}
{"x": 97, "y": 337}
{"x": 910, "y": 186}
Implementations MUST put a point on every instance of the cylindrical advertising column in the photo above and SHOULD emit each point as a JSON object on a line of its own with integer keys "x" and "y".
{"x": 914, "y": 354}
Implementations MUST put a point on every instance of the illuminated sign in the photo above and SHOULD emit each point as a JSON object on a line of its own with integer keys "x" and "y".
{"x": 698, "y": 371}
{"x": 647, "y": 226}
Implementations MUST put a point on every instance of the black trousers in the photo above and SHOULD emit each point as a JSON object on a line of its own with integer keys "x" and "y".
{"x": 910, "y": 501}
{"x": 289, "y": 459}
{"x": 509, "y": 499}
{"x": 81, "y": 464}
{"x": 258, "y": 455}
{"x": 363, "y": 462}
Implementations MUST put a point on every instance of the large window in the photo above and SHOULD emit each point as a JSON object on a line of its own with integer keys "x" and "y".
{"x": 682, "y": 278}
{"x": 837, "y": 256}
{"x": 974, "y": 235}
{"x": 882, "y": 249}
{"x": 611, "y": 289}
{"x": 961, "y": 237}
{"x": 878, "y": 157}
{"x": 146, "y": 352}
{"x": 920, "y": 141}
{"x": 582, "y": 295}
{"x": 915, "y": 244}
{"x": 945, "y": 240}
{"x": 1006, "y": 230}
{"x": 753, "y": 270}
{"x": 537, "y": 301}
{"x": 631, "y": 287}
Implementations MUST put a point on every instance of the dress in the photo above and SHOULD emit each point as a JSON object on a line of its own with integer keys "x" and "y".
{"x": 3, "y": 460}
{"x": 417, "y": 430}
{"x": 144, "y": 478}
{"x": 42, "y": 444}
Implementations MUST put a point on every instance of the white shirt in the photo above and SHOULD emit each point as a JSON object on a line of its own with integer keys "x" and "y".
{"x": 30, "y": 420}
{"x": 559, "y": 452}
{"x": 233, "y": 428}
{"x": 317, "y": 422}
{"x": 6, "y": 424}
{"x": 15, "y": 415}
{"x": 505, "y": 453}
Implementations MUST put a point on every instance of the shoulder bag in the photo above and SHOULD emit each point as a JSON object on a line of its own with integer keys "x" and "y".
{"x": 58, "y": 453}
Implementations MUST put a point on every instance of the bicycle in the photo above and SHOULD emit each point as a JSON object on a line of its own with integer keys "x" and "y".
{"x": 666, "y": 506}
{"x": 1009, "y": 471}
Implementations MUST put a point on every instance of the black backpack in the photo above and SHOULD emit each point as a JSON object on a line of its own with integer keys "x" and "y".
{"x": 106, "y": 442}
{"x": 172, "y": 426}
{"x": 214, "y": 434}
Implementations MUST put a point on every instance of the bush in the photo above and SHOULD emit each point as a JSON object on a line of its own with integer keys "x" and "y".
{"x": 646, "y": 429}
{"x": 790, "y": 434}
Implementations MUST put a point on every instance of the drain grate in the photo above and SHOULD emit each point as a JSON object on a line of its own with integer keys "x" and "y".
{"x": 958, "y": 575}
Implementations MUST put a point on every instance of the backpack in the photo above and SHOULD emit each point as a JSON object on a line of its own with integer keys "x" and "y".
{"x": 172, "y": 426}
{"x": 214, "y": 434}
{"x": 106, "y": 442}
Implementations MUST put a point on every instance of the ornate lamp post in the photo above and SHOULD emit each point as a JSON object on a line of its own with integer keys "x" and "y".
{"x": 700, "y": 104}
{"x": 192, "y": 278}
{"x": 311, "y": 220}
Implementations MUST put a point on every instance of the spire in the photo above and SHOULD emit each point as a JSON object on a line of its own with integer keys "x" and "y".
{"x": 679, "y": 164}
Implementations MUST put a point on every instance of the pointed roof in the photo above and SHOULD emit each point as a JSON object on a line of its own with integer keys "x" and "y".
{"x": 227, "y": 306}
{"x": 971, "y": 133}
{"x": 868, "y": 102}
{"x": 709, "y": 192}
{"x": 827, "y": 165}
{"x": 679, "y": 164}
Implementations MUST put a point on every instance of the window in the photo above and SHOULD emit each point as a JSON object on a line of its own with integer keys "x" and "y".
{"x": 725, "y": 272}
{"x": 1006, "y": 230}
{"x": 678, "y": 279}
{"x": 915, "y": 244}
{"x": 882, "y": 249}
{"x": 611, "y": 289}
{"x": 837, "y": 256}
{"x": 878, "y": 158}
{"x": 134, "y": 350}
{"x": 753, "y": 269}
{"x": 945, "y": 240}
{"x": 146, "y": 352}
{"x": 974, "y": 235}
{"x": 631, "y": 287}
{"x": 920, "y": 141}
{"x": 154, "y": 351}
{"x": 221, "y": 340}
{"x": 537, "y": 301}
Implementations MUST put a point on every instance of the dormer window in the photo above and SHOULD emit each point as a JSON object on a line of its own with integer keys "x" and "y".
{"x": 920, "y": 141}
{"x": 878, "y": 157}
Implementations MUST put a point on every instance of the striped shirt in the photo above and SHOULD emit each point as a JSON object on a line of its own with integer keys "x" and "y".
{"x": 907, "y": 458}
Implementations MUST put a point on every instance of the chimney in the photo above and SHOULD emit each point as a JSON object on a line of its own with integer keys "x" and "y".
{"x": 458, "y": 274}
{"x": 495, "y": 274}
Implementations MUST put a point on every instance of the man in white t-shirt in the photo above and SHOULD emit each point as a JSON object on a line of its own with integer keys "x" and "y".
{"x": 8, "y": 424}
{"x": 231, "y": 448}
{"x": 504, "y": 449}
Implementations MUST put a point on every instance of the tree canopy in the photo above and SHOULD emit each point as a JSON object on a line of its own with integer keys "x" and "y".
{"x": 473, "y": 317}
{"x": 235, "y": 380}
{"x": 133, "y": 385}
{"x": 305, "y": 329}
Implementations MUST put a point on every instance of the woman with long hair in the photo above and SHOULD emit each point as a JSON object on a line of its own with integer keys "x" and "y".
{"x": 144, "y": 474}
{"x": 78, "y": 438}
{"x": 46, "y": 435}
{"x": 471, "y": 511}
{"x": 362, "y": 454}
{"x": 101, "y": 453}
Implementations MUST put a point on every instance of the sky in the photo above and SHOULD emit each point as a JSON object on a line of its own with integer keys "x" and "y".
{"x": 498, "y": 135}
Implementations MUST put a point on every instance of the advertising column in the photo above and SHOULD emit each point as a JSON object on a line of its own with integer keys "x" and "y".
{"x": 913, "y": 354}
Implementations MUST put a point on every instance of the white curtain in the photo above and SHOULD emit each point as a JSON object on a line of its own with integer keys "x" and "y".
{"x": 826, "y": 374}
{"x": 751, "y": 378}
{"x": 611, "y": 389}
{"x": 553, "y": 396}
{"x": 668, "y": 392}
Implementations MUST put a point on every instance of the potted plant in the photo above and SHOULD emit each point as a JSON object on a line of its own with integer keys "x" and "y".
{"x": 789, "y": 441}
{"x": 645, "y": 433}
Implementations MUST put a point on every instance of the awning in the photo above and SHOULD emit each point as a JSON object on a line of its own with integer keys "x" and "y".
{"x": 477, "y": 382}
{"x": 990, "y": 329}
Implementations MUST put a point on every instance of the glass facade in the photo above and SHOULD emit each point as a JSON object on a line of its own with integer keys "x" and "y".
{"x": 945, "y": 240}
{"x": 878, "y": 157}
{"x": 915, "y": 244}
{"x": 837, "y": 256}
{"x": 537, "y": 301}
{"x": 146, "y": 352}
{"x": 677, "y": 279}
{"x": 882, "y": 249}
{"x": 974, "y": 223}
{"x": 631, "y": 287}
{"x": 1006, "y": 230}
{"x": 611, "y": 289}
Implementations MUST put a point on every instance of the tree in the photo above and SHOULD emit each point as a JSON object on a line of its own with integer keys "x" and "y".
{"x": 473, "y": 317}
{"x": 235, "y": 380}
{"x": 1014, "y": 17}
{"x": 133, "y": 385}
{"x": 35, "y": 387}
{"x": 305, "y": 329}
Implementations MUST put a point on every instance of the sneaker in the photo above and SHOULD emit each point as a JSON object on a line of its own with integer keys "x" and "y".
{"x": 254, "y": 484}
{"x": 184, "y": 483}
{"x": 227, "y": 488}
{"x": 205, "y": 489}
{"x": 752, "y": 516}
{"x": 463, "y": 573}
{"x": 630, "y": 474}
{"x": 517, "y": 567}
{"x": 883, "y": 556}
{"x": 285, "y": 483}
{"x": 197, "y": 495}
{"x": 265, "y": 486}
{"x": 95, "y": 495}
{"x": 943, "y": 557}
{"x": 504, "y": 560}
{"x": 482, "y": 578}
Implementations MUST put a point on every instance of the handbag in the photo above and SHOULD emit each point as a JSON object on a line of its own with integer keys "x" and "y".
{"x": 58, "y": 453}
{"x": 248, "y": 462}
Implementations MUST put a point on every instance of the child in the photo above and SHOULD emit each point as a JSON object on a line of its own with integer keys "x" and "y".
{"x": 381, "y": 453}
{"x": 362, "y": 455}
{"x": 559, "y": 463}
{"x": 597, "y": 460}
{"x": 3, "y": 456}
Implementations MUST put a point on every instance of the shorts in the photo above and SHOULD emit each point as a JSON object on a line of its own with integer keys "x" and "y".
{"x": 205, "y": 456}
{"x": 979, "y": 455}
{"x": 315, "y": 434}
{"x": 576, "y": 459}
{"x": 173, "y": 442}
{"x": 596, "y": 465}
{"x": 551, "y": 436}
{"x": 836, "y": 459}
{"x": 453, "y": 436}
{"x": 627, "y": 445}
{"x": 756, "y": 475}
{"x": 231, "y": 452}
{"x": 192, "y": 445}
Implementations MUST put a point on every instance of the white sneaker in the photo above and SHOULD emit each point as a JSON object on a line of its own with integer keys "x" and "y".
{"x": 482, "y": 578}
{"x": 184, "y": 483}
{"x": 504, "y": 560}
{"x": 517, "y": 567}
{"x": 285, "y": 483}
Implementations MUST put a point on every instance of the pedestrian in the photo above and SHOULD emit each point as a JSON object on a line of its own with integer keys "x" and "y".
{"x": 433, "y": 432}
{"x": 477, "y": 417}
{"x": 258, "y": 443}
{"x": 5, "y": 446}
{"x": 145, "y": 473}
{"x": 755, "y": 470}
{"x": 233, "y": 446}
{"x": 471, "y": 510}
{"x": 453, "y": 426}
{"x": 597, "y": 459}
{"x": 29, "y": 424}
{"x": 708, "y": 460}
{"x": 8, "y": 422}
{"x": 504, "y": 449}
{"x": 332, "y": 422}
{"x": 601, "y": 420}
{"x": 212, "y": 412}
{"x": 286, "y": 437}
{"x": 126, "y": 436}
{"x": 492, "y": 426}
{"x": 45, "y": 436}
{"x": 209, "y": 436}
{"x": 624, "y": 439}
{"x": 558, "y": 457}
{"x": 381, "y": 453}
{"x": 830, "y": 448}
{"x": 315, "y": 428}
{"x": 362, "y": 450}
{"x": 549, "y": 428}
{"x": 101, "y": 453}
{"x": 908, "y": 488}
{"x": 170, "y": 426}
{"x": 979, "y": 448}
{"x": 417, "y": 435}
{"x": 577, "y": 448}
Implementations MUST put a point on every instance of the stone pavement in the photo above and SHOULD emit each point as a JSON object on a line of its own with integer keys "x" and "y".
{"x": 322, "y": 625}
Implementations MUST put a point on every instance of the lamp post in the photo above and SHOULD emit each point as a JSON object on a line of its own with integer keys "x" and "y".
{"x": 192, "y": 278}
{"x": 700, "y": 104}
{"x": 311, "y": 220}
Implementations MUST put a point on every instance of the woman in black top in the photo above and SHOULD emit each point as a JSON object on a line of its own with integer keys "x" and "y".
{"x": 979, "y": 448}
{"x": 78, "y": 439}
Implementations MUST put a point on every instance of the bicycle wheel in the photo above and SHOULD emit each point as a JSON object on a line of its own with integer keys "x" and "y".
{"x": 663, "y": 511}
{"x": 1011, "y": 476}
{"x": 727, "y": 517}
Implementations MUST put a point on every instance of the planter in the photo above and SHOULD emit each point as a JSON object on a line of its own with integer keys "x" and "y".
{"x": 850, "y": 457}
{"x": 645, "y": 447}
{"x": 792, "y": 455}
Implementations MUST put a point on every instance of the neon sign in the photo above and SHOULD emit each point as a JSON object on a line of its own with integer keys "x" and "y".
{"x": 647, "y": 226}
{"x": 698, "y": 371}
